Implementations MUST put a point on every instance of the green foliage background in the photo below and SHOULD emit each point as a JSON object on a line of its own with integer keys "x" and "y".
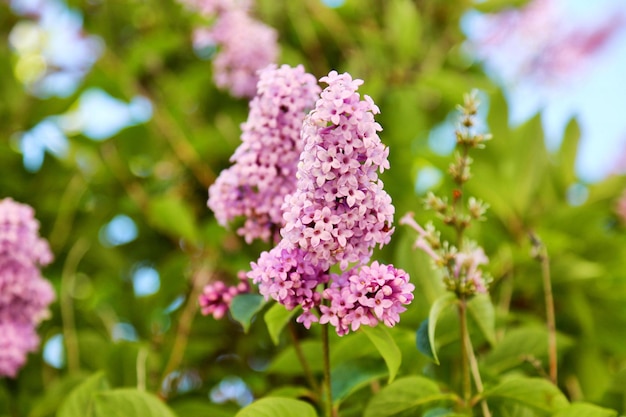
{"x": 409, "y": 54}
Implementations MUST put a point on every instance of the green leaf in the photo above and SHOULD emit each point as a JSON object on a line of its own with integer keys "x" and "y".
{"x": 278, "y": 407}
{"x": 536, "y": 393}
{"x": 518, "y": 345}
{"x": 442, "y": 412}
{"x": 172, "y": 216}
{"x": 55, "y": 394}
{"x": 495, "y": 6}
{"x": 244, "y": 307}
{"x": 348, "y": 377}
{"x": 79, "y": 402}
{"x": 291, "y": 391}
{"x": 202, "y": 408}
{"x": 403, "y": 27}
{"x": 129, "y": 402}
{"x": 438, "y": 306}
{"x": 276, "y": 318}
{"x": 582, "y": 409}
{"x": 421, "y": 340}
{"x": 568, "y": 152}
{"x": 404, "y": 394}
{"x": 481, "y": 309}
{"x": 387, "y": 347}
{"x": 287, "y": 363}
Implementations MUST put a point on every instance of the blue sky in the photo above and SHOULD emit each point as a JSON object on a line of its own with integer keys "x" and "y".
{"x": 591, "y": 89}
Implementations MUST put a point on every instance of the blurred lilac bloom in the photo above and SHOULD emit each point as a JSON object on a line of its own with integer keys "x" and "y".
{"x": 24, "y": 294}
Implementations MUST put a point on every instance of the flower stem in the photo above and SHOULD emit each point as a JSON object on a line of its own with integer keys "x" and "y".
{"x": 199, "y": 278}
{"x": 476, "y": 374}
{"x": 329, "y": 410}
{"x": 465, "y": 369}
{"x": 303, "y": 362}
{"x": 67, "y": 306}
{"x": 541, "y": 254}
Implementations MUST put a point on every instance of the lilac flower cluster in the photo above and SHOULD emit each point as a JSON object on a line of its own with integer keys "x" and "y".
{"x": 265, "y": 163}
{"x": 284, "y": 275}
{"x": 340, "y": 210}
{"x": 217, "y": 296}
{"x": 366, "y": 296}
{"x": 244, "y": 44}
{"x": 337, "y": 215}
{"x": 24, "y": 294}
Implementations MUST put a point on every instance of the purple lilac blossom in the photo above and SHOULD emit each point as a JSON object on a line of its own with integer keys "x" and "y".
{"x": 16, "y": 341}
{"x": 265, "y": 163}
{"x": 365, "y": 296}
{"x": 284, "y": 275}
{"x": 217, "y": 296}
{"x": 19, "y": 234}
{"x": 337, "y": 215}
{"x": 24, "y": 294}
{"x": 245, "y": 46}
{"x": 340, "y": 210}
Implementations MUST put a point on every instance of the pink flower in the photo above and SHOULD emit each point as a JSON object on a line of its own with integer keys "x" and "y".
{"x": 216, "y": 297}
{"x": 24, "y": 294}
{"x": 265, "y": 163}
{"x": 334, "y": 179}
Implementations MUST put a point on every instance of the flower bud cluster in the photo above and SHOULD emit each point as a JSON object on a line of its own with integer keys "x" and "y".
{"x": 459, "y": 264}
{"x": 245, "y": 45}
{"x": 461, "y": 268}
{"x": 265, "y": 163}
{"x": 24, "y": 294}
{"x": 217, "y": 296}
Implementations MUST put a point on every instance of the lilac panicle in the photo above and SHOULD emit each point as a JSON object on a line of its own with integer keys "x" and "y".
{"x": 366, "y": 296}
{"x": 217, "y": 296}
{"x": 284, "y": 275}
{"x": 265, "y": 163}
{"x": 340, "y": 210}
{"x": 24, "y": 294}
{"x": 19, "y": 234}
{"x": 16, "y": 341}
{"x": 337, "y": 215}
{"x": 245, "y": 46}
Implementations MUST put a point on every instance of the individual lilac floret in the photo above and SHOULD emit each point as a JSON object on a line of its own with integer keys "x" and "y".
{"x": 245, "y": 46}
{"x": 217, "y": 296}
{"x": 284, "y": 275}
{"x": 340, "y": 211}
{"x": 16, "y": 341}
{"x": 265, "y": 163}
{"x": 365, "y": 296}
